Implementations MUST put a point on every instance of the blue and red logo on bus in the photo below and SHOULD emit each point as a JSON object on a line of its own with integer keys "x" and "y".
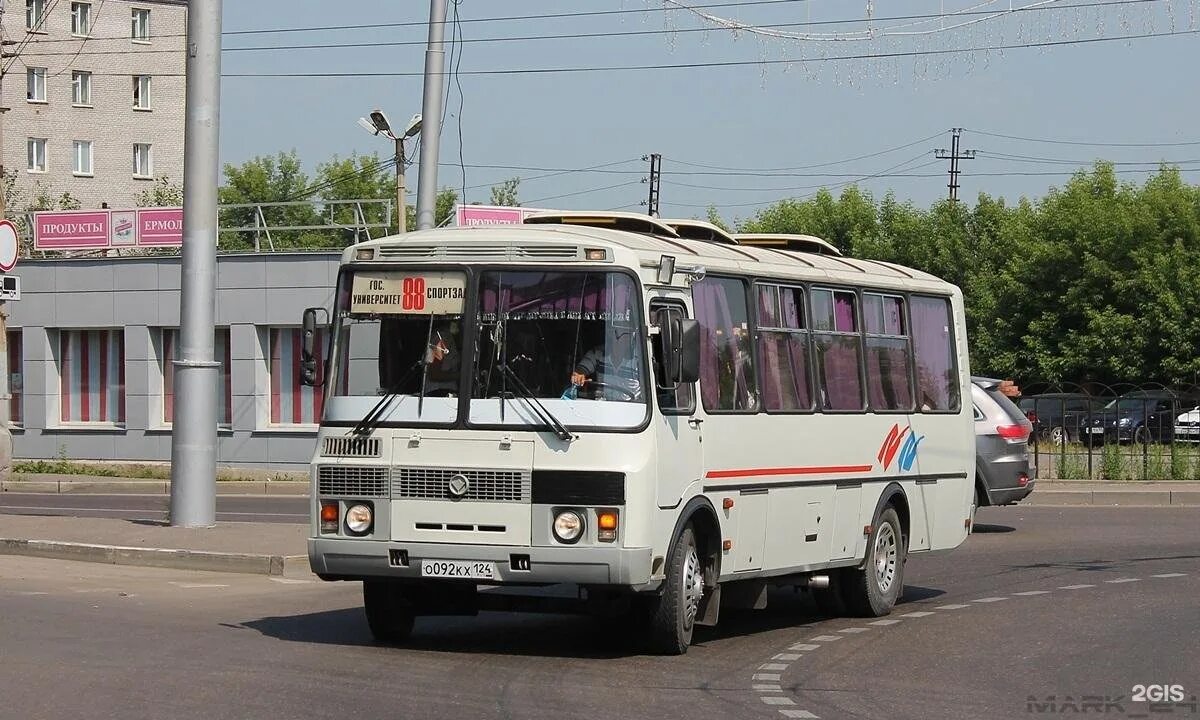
{"x": 899, "y": 445}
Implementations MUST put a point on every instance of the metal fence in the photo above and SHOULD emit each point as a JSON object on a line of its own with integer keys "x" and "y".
{"x": 1113, "y": 432}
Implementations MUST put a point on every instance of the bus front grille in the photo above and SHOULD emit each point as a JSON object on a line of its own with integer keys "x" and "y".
{"x": 353, "y": 481}
{"x": 480, "y": 485}
{"x": 351, "y": 446}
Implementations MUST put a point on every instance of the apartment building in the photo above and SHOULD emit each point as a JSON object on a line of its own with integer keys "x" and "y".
{"x": 95, "y": 98}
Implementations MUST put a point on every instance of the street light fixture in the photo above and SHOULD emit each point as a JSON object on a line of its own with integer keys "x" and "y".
{"x": 379, "y": 125}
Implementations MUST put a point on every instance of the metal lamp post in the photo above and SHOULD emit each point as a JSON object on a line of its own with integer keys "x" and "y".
{"x": 379, "y": 125}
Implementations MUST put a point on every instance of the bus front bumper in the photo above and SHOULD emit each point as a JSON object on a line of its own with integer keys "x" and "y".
{"x": 342, "y": 559}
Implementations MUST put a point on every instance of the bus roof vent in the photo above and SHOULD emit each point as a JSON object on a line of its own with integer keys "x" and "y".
{"x": 787, "y": 241}
{"x": 610, "y": 219}
{"x": 702, "y": 230}
{"x": 545, "y": 252}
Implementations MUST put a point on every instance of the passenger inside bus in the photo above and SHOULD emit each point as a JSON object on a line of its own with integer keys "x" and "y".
{"x": 418, "y": 351}
{"x": 611, "y": 369}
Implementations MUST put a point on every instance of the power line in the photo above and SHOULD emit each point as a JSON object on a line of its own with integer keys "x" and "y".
{"x": 1057, "y": 161}
{"x": 731, "y": 63}
{"x": 809, "y": 167}
{"x": 1086, "y": 143}
{"x": 586, "y": 192}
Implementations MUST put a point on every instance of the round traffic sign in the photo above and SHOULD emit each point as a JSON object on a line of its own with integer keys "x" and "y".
{"x": 8, "y": 245}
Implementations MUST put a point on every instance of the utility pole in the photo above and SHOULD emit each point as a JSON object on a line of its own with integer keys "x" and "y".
{"x": 194, "y": 439}
{"x": 402, "y": 224}
{"x": 655, "y": 179}
{"x": 5, "y": 390}
{"x": 431, "y": 109}
{"x": 954, "y": 156}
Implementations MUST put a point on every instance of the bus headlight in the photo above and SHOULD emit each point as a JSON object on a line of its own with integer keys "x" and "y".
{"x": 568, "y": 526}
{"x": 358, "y": 519}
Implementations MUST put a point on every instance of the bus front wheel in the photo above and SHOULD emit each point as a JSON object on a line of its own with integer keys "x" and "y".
{"x": 673, "y": 613}
{"x": 873, "y": 590}
{"x": 389, "y": 613}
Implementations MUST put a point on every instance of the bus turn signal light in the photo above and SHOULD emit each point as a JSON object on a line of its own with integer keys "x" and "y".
{"x": 727, "y": 503}
{"x": 329, "y": 517}
{"x": 606, "y": 526}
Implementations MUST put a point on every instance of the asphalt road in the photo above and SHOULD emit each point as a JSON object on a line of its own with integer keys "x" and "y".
{"x": 230, "y": 508}
{"x": 1064, "y": 602}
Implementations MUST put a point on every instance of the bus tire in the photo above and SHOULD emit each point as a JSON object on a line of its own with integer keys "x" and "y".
{"x": 389, "y": 614}
{"x": 673, "y": 612}
{"x": 873, "y": 590}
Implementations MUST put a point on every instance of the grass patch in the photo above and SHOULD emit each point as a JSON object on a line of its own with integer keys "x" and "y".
{"x": 136, "y": 471}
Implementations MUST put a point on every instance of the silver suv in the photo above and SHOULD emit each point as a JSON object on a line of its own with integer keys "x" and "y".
{"x": 1003, "y": 475}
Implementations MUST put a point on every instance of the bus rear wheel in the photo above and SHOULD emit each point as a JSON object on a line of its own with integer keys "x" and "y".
{"x": 673, "y": 613}
{"x": 389, "y": 612}
{"x": 874, "y": 590}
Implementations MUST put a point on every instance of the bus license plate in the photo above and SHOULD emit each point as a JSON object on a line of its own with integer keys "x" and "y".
{"x": 457, "y": 569}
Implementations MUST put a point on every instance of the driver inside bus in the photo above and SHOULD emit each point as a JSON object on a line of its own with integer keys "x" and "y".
{"x": 613, "y": 366}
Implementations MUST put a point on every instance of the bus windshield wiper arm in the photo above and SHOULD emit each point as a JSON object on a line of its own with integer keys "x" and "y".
{"x": 374, "y": 416}
{"x": 539, "y": 409}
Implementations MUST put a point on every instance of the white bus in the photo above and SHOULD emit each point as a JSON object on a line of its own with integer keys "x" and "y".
{"x": 659, "y": 426}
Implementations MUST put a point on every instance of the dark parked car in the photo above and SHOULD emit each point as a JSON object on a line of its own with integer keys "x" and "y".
{"x": 1143, "y": 416}
{"x": 1060, "y": 417}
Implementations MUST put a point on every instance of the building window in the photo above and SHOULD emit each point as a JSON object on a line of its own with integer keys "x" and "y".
{"x": 83, "y": 157}
{"x": 726, "y": 362}
{"x": 933, "y": 355}
{"x": 293, "y": 403}
{"x": 141, "y": 92}
{"x": 35, "y": 13}
{"x": 81, "y": 19}
{"x": 36, "y": 148}
{"x": 783, "y": 349}
{"x": 81, "y": 88}
{"x": 35, "y": 85}
{"x": 16, "y": 379}
{"x": 92, "y": 375}
{"x": 141, "y": 25}
{"x": 143, "y": 164}
{"x": 888, "y": 362}
{"x": 170, "y": 343}
{"x": 838, "y": 350}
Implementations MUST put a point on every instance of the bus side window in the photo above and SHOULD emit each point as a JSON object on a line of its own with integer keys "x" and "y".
{"x": 680, "y": 400}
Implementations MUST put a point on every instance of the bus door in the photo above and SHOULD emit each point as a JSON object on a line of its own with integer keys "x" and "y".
{"x": 676, "y": 424}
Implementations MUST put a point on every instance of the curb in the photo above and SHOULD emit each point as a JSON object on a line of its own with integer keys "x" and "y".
{"x": 87, "y": 485}
{"x": 274, "y": 565}
{"x": 1115, "y": 498}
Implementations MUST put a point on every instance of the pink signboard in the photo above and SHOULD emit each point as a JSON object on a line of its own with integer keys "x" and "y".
{"x": 101, "y": 229}
{"x": 160, "y": 227}
{"x": 475, "y": 215}
{"x": 71, "y": 230}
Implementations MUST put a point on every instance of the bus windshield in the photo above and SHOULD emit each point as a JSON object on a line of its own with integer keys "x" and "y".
{"x": 570, "y": 344}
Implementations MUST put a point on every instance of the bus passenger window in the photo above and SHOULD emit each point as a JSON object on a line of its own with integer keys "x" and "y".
{"x": 783, "y": 348}
{"x": 933, "y": 354}
{"x": 727, "y": 380}
{"x": 838, "y": 350}
{"x": 888, "y": 384}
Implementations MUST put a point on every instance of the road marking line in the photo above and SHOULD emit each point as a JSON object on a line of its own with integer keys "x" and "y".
{"x": 802, "y": 714}
{"x": 853, "y": 630}
{"x": 951, "y": 607}
{"x": 787, "y": 656}
{"x": 1030, "y": 593}
{"x": 773, "y": 666}
{"x": 1169, "y": 575}
{"x": 804, "y": 647}
{"x": 32, "y": 592}
{"x": 917, "y": 614}
{"x": 290, "y": 581}
{"x": 777, "y": 700}
{"x": 765, "y": 676}
{"x": 1123, "y": 580}
{"x": 1075, "y": 587}
{"x": 768, "y": 688}
{"x": 989, "y": 599}
{"x": 885, "y": 623}
{"x": 826, "y": 638}
{"x": 196, "y": 586}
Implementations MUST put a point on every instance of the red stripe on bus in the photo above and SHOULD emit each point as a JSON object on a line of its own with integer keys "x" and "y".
{"x": 812, "y": 470}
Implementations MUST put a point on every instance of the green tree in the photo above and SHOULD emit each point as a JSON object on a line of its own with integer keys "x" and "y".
{"x": 163, "y": 193}
{"x": 268, "y": 179}
{"x": 447, "y": 198}
{"x": 506, "y": 193}
{"x": 358, "y": 177}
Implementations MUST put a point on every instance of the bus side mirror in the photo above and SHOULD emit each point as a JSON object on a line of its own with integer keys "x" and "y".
{"x": 308, "y": 341}
{"x": 689, "y": 350}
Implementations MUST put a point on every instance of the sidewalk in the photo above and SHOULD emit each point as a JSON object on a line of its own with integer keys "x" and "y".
{"x": 258, "y": 548}
{"x": 1083, "y": 492}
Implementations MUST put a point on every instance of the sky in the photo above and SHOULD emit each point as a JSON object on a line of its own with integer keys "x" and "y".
{"x": 740, "y": 135}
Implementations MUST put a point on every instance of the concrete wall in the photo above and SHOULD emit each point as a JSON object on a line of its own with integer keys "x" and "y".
{"x": 140, "y": 296}
{"x": 110, "y": 122}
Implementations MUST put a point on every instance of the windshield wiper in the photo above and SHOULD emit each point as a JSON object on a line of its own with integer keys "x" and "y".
{"x": 374, "y": 416}
{"x": 543, "y": 413}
